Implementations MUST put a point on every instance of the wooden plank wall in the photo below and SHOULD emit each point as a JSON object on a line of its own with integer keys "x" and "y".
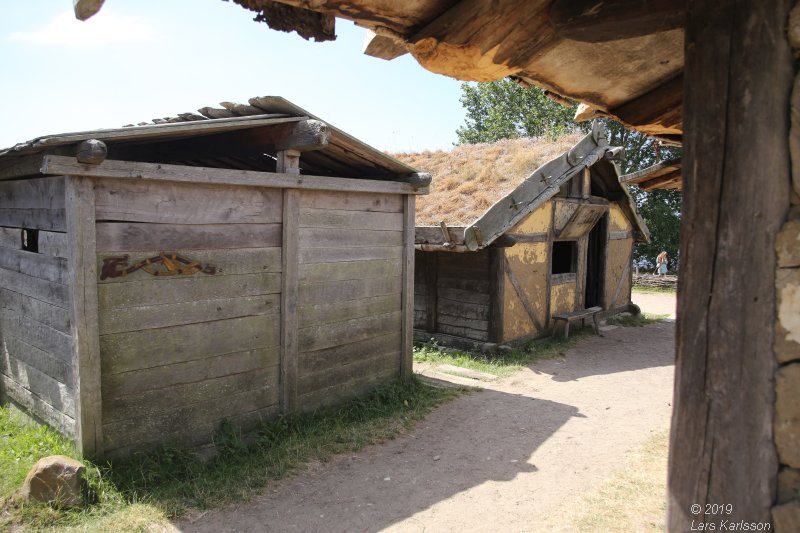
{"x": 349, "y": 309}
{"x": 462, "y": 302}
{"x": 36, "y": 369}
{"x": 619, "y": 255}
{"x": 180, "y": 353}
{"x": 421, "y": 265}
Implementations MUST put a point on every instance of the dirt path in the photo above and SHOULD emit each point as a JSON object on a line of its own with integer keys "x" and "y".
{"x": 495, "y": 460}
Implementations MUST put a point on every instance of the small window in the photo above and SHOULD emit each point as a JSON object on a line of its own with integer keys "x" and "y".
{"x": 30, "y": 240}
{"x": 564, "y": 259}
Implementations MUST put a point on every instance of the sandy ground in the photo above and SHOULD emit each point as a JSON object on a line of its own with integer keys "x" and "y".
{"x": 495, "y": 460}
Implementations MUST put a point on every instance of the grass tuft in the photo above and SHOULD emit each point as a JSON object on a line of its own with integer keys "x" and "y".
{"x": 132, "y": 494}
{"x": 642, "y": 319}
{"x": 502, "y": 364}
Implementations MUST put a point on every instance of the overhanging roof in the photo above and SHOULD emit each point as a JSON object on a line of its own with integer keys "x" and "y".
{"x": 662, "y": 175}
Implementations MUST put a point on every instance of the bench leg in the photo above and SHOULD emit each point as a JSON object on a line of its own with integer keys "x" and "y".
{"x": 566, "y": 329}
{"x": 596, "y": 328}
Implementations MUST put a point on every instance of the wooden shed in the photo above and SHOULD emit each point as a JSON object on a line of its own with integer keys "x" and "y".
{"x": 557, "y": 241}
{"x": 234, "y": 263}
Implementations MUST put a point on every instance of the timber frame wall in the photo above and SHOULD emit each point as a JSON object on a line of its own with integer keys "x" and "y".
{"x": 306, "y": 299}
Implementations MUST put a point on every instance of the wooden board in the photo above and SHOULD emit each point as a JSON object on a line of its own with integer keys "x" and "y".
{"x": 37, "y": 193}
{"x": 31, "y": 218}
{"x": 367, "y": 365}
{"x": 348, "y": 219}
{"x": 349, "y": 352}
{"x": 37, "y": 407}
{"x": 351, "y": 238}
{"x": 123, "y": 352}
{"x": 320, "y": 293}
{"x": 47, "y": 363}
{"x": 338, "y": 311}
{"x": 55, "y": 393}
{"x": 37, "y": 334}
{"x": 132, "y": 236}
{"x": 35, "y": 265}
{"x": 42, "y": 312}
{"x": 183, "y": 203}
{"x": 335, "y": 254}
{"x": 329, "y": 335}
{"x": 407, "y": 301}
{"x": 351, "y": 270}
{"x": 351, "y": 201}
{"x": 51, "y": 243}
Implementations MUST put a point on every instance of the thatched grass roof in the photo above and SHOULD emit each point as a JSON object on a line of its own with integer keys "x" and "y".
{"x": 468, "y": 179}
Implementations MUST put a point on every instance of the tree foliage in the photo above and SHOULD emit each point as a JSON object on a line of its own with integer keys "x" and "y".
{"x": 503, "y": 109}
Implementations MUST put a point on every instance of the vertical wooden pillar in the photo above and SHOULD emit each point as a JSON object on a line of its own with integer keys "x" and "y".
{"x": 289, "y": 163}
{"x": 82, "y": 261}
{"x": 407, "y": 299}
{"x": 497, "y": 275}
{"x": 736, "y": 179}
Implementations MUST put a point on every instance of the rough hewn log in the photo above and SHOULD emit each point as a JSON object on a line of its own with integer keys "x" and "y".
{"x": 85, "y": 9}
{"x": 91, "y": 152}
{"x": 305, "y": 136}
{"x": 610, "y": 20}
{"x": 738, "y": 78}
{"x": 383, "y": 44}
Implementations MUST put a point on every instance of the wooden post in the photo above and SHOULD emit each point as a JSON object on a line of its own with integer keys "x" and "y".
{"x": 407, "y": 299}
{"x": 497, "y": 274}
{"x": 289, "y": 162}
{"x": 736, "y": 180}
{"x": 432, "y": 290}
{"x": 82, "y": 261}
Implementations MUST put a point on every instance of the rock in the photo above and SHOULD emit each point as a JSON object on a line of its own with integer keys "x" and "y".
{"x": 505, "y": 349}
{"x": 788, "y": 485}
{"x": 55, "y": 479}
{"x": 785, "y": 517}
{"x": 787, "y": 415}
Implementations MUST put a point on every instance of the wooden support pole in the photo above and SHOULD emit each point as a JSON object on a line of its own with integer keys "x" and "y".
{"x": 289, "y": 162}
{"x": 432, "y": 290}
{"x": 497, "y": 272}
{"x": 82, "y": 261}
{"x": 738, "y": 78}
{"x": 407, "y": 328}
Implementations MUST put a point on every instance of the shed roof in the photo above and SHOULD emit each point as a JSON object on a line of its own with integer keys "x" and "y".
{"x": 232, "y": 136}
{"x": 522, "y": 194}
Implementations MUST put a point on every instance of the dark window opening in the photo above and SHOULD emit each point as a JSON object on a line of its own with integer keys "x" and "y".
{"x": 30, "y": 240}
{"x": 564, "y": 257}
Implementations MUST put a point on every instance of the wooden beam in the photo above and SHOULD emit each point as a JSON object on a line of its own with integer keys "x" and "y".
{"x": 520, "y": 291}
{"x": 289, "y": 162}
{"x": 432, "y": 290}
{"x": 82, "y": 261}
{"x": 407, "y": 306}
{"x": 661, "y": 107}
{"x": 91, "y": 152}
{"x": 738, "y": 78}
{"x": 383, "y": 44}
{"x": 303, "y": 136}
{"x": 497, "y": 272}
{"x": 20, "y": 167}
{"x": 85, "y": 9}
{"x": 60, "y": 165}
{"x": 610, "y": 20}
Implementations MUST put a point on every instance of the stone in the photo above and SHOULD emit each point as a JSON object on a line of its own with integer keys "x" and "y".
{"x": 55, "y": 479}
{"x": 788, "y": 485}
{"x": 787, "y": 415}
{"x": 785, "y": 517}
{"x": 505, "y": 349}
{"x": 787, "y": 329}
{"x": 787, "y": 244}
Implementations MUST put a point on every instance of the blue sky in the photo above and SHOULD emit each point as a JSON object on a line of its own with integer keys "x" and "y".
{"x": 141, "y": 59}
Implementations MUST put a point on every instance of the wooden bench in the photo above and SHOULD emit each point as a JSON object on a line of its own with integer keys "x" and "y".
{"x": 581, "y": 315}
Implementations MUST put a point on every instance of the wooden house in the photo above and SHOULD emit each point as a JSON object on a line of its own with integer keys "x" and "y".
{"x": 234, "y": 263}
{"x": 555, "y": 242}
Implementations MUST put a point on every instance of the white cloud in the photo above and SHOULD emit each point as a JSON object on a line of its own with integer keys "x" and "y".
{"x": 102, "y": 29}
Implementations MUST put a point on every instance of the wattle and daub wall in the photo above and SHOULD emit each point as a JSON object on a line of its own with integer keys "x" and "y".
{"x": 189, "y": 281}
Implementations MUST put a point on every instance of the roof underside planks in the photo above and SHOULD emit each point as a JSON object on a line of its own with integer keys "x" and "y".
{"x": 662, "y": 175}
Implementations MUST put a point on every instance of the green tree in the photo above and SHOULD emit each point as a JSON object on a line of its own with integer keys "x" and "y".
{"x": 503, "y": 109}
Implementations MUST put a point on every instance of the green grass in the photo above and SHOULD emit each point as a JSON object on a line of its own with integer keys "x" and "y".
{"x": 501, "y": 364}
{"x": 148, "y": 488}
{"x": 654, "y": 290}
{"x": 642, "y": 319}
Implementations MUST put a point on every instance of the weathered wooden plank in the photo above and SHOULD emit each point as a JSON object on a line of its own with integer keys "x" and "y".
{"x": 326, "y": 313}
{"x": 463, "y": 322}
{"x": 335, "y": 254}
{"x": 37, "y": 334}
{"x": 167, "y": 315}
{"x": 159, "y": 377}
{"x": 344, "y": 391}
{"x": 37, "y": 407}
{"x": 35, "y": 265}
{"x": 351, "y": 201}
{"x": 480, "y": 335}
{"x": 528, "y": 238}
{"x": 463, "y": 309}
{"x": 32, "y": 218}
{"x": 202, "y": 417}
{"x": 312, "y": 361}
{"x": 355, "y": 289}
{"x": 328, "y": 335}
{"x": 368, "y": 365}
{"x": 225, "y": 262}
{"x": 132, "y": 236}
{"x": 468, "y": 261}
{"x": 433, "y": 235}
{"x": 289, "y": 299}
{"x": 55, "y": 393}
{"x": 156, "y": 291}
{"x": 471, "y": 283}
{"x": 431, "y": 284}
{"x": 323, "y": 272}
{"x": 59, "y": 369}
{"x": 151, "y": 403}
{"x": 38, "y": 193}
{"x": 460, "y": 295}
{"x": 135, "y": 170}
{"x": 496, "y": 307}
{"x": 48, "y": 314}
{"x": 721, "y": 446}
{"x": 123, "y": 352}
{"x": 317, "y": 237}
{"x": 50, "y": 243}
{"x": 85, "y": 348}
{"x": 343, "y": 219}
{"x": 184, "y": 203}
